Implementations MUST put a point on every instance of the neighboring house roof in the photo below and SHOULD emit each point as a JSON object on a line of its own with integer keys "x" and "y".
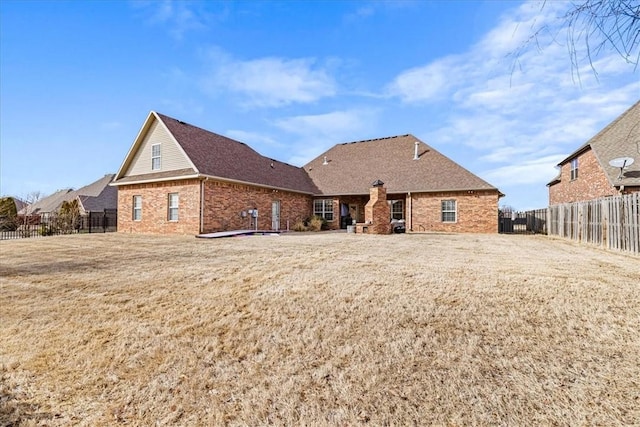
{"x": 351, "y": 168}
{"x": 620, "y": 138}
{"x": 47, "y": 204}
{"x": 213, "y": 155}
{"x": 98, "y": 195}
{"x": 19, "y": 204}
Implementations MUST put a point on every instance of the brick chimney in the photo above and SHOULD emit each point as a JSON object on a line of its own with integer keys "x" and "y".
{"x": 377, "y": 212}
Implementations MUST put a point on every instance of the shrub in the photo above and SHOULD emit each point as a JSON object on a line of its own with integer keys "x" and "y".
{"x": 299, "y": 226}
{"x": 45, "y": 230}
{"x": 316, "y": 223}
{"x": 8, "y": 214}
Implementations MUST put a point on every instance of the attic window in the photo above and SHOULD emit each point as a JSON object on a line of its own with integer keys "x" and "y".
{"x": 155, "y": 157}
{"x": 574, "y": 168}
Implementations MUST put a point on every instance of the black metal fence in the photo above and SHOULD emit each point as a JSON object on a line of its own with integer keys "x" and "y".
{"x": 37, "y": 226}
{"x": 529, "y": 222}
{"x": 100, "y": 222}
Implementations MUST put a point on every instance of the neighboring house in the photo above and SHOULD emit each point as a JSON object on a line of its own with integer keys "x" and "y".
{"x": 178, "y": 178}
{"x": 47, "y": 206}
{"x": 20, "y": 204}
{"x": 587, "y": 174}
{"x": 95, "y": 197}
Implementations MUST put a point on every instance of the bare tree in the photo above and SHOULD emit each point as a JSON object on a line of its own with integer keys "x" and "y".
{"x": 604, "y": 25}
{"x": 30, "y": 199}
{"x": 592, "y": 27}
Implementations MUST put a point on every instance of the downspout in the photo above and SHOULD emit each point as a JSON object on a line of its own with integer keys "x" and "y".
{"x": 410, "y": 211}
{"x": 202, "y": 205}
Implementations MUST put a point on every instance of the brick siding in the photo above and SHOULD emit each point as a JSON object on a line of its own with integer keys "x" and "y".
{"x": 590, "y": 184}
{"x": 225, "y": 201}
{"x": 477, "y": 212}
{"x": 223, "y": 204}
{"x": 155, "y": 207}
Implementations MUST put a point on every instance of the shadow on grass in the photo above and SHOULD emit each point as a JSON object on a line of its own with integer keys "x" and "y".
{"x": 16, "y": 412}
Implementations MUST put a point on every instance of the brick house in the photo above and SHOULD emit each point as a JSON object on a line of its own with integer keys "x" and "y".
{"x": 425, "y": 188}
{"x": 587, "y": 174}
{"x": 178, "y": 178}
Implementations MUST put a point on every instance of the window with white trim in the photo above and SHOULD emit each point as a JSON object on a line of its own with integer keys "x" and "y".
{"x": 323, "y": 208}
{"x": 173, "y": 207}
{"x": 574, "y": 168}
{"x": 137, "y": 208}
{"x": 449, "y": 210}
{"x": 397, "y": 209}
{"x": 155, "y": 157}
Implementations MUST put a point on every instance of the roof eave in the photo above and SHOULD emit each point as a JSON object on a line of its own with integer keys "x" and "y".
{"x": 164, "y": 179}
{"x": 582, "y": 149}
{"x": 237, "y": 181}
{"x": 446, "y": 190}
{"x": 206, "y": 177}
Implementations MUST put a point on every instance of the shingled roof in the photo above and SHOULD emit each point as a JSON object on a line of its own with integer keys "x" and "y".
{"x": 99, "y": 195}
{"x": 350, "y": 168}
{"x": 221, "y": 157}
{"x": 48, "y": 204}
{"x": 620, "y": 138}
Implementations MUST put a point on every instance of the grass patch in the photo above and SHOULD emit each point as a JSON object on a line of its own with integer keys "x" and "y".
{"x": 321, "y": 329}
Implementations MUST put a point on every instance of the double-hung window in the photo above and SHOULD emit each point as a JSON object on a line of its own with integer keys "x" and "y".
{"x": 323, "y": 208}
{"x": 173, "y": 207}
{"x": 137, "y": 208}
{"x": 574, "y": 168}
{"x": 449, "y": 211}
{"x": 155, "y": 157}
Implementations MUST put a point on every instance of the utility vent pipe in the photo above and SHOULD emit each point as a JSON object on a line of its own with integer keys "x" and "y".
{"x": 324, "y": 162}
{"x": 415, "y": 153}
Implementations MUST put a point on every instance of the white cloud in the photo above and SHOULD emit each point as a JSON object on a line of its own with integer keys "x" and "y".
{"x": 515, "y": 101}
{"x": 538, "y": 170}
{"x": 316, "y": 133}
{"x": 178, "y": 16}
{"x": 271, "y": 81}
{"x": 426, "y": 83}
{"x": 328, "y": 124}
{"x": 254, "y": 139}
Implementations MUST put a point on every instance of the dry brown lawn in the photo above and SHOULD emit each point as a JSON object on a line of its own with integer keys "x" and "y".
{"x": 318, "y": 329}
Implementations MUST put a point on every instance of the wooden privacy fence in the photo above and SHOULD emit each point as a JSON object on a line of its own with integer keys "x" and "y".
{"x": 610, "y": 222}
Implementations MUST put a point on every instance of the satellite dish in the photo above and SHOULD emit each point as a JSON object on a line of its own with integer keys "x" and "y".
{"x": 622, "y": 163}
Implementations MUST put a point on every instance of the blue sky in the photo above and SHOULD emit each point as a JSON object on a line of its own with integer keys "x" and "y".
{"x": 292, "y": 79}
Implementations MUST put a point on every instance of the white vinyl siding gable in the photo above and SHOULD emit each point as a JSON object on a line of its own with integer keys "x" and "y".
{"x": 171, "y": 155}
